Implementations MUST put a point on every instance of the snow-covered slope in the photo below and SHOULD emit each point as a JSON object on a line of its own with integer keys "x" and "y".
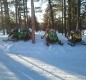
{"x": 26, "y": 61}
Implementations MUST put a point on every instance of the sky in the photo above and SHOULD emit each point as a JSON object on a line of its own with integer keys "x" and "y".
{"x": 36, "y": 4}
{"x": 43, "y": 7}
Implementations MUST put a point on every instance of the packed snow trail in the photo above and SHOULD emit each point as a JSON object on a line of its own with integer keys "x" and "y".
{"x": 5, "y": 72}
{"x": 26, "y": 61}
{"x": 49, "y": 71}
{"x": 10, "y": 69}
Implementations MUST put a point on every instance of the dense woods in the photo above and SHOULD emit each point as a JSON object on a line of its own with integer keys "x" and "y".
{"x": 61, "y": 15}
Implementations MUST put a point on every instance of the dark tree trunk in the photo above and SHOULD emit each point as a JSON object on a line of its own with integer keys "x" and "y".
{"x": 7, "y": 20}
{"x": 65, "y": 18}
{"x": 16, "y": 11}
{"x": 78, "y": 14}
{"x": 69, "y": 17}
{"x": 62, "y": 17}
{"x": 51, "y": 14}
{"x": 33, "y": 21}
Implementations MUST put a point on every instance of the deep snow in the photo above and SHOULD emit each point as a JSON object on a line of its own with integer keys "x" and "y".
{"x": 26, "y": 61}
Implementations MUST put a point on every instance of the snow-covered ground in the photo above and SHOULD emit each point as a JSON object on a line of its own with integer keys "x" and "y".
{"x": 26, "y": 61}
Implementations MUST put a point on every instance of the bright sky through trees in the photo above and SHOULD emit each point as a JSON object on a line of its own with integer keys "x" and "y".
{"x": 39, "y": 15}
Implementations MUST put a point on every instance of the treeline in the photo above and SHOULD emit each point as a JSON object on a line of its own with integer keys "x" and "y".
{"x": 62, "y": 15}
{"x": 72, "y": 15}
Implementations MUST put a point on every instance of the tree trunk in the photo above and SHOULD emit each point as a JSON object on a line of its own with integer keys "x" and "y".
{"x": 16, "y": 11}
{"x": 2, "y": 20}
{"x": 51, "y": 14}
{"x": 24, "y": 6}
{"x": 69, "y": 17}
{"x": 7, "y": 20}
{"x": 65, "y": 18}
{"x": 62, "y": 17}
{"x": 78, "y": 14}
{"x": 33, "y": 21}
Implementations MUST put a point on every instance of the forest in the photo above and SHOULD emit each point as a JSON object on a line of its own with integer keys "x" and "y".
{"x": 63, "y": 16}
